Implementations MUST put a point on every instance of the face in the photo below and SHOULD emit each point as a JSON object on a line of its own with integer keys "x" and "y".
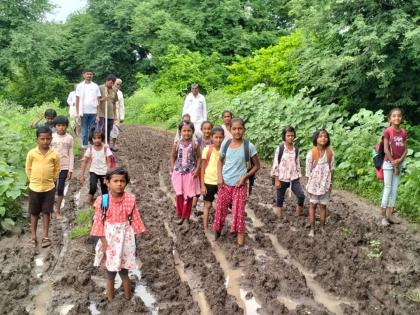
{"x": 227, "y": 118}
{"x": 117, "y": 85}
{"x": 186, "y": 118}
{"x": 237, "y": 130}
{"x": 217, "y": 139}
{"x": 97, "y": 139}
{"x": 88, "y": 76}
{"x": 194, "y": 91}
{"x": 290, "y": 137}
{"x": 61, "y": 129}
{"x": 186, "y": 132}
{"x": 206, "y": 130}
{"x": 49, "y": 119}
{"x": 395, "y": 118}
{"x": 44, "y": 141}
{"x": 109, "y": 84}
{"x": 117, "y": 184}
{"x": 322, "y": 139}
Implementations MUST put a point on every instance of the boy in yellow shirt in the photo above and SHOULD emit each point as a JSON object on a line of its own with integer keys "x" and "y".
{"x": 42, "y": 169}
{"x": 208, "y": 178}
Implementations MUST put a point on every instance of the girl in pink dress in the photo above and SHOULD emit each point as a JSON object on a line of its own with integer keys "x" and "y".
{"x": 185, "y": 165}
{"x": 117, "y": 220}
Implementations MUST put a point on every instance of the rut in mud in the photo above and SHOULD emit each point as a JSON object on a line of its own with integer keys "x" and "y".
{"x": 279, "y": 271}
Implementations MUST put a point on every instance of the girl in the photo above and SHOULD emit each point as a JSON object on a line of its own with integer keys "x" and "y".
{"x": 395, "y": 147}
{"x": 232, "y": 180}
{"x": 185, "y": 165}
{"x": 286, "y": 171}
{"x": 206, "y": 139}
{"x": 319, "y": 170}
{"x": 227, "y": 123}
{"x": 99, "y": 156}
{"x": 116, "y": 221}
{"x": 210, "y": 159}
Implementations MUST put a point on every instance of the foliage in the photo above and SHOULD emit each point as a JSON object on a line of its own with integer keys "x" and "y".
{"x": 375, "y": 249}
{"x": 274, "y": 66}
{"x": 83, "y": 223}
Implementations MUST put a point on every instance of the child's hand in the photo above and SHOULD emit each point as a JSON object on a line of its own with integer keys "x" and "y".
{"x": 241, "y": 181}
{"x": 195, "y": 173}
{"x": 220, "y": 181}
{"x": 396, "y": 162}
{"x": 277, "y": 183}
{"x": 203, "y": 190}
{"x": 69, "y": 175}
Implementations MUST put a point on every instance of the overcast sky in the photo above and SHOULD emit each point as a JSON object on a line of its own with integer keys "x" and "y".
{"x": 64, "y": 8}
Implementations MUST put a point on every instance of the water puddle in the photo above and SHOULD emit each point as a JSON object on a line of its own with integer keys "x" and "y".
{"x": 329, "y": 301}
{"x": 93, "y": 309}
{"x": 142, "y": 292}
{"x": 288, "y": 302}
{"x": 257, "y": 223}
{"x": 65, "y": 309}
{"x": 42, "y": 298}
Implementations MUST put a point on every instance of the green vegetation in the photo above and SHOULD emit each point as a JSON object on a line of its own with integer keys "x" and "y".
{"x": 83, "y": 223}
{"x": 375, "y": 249}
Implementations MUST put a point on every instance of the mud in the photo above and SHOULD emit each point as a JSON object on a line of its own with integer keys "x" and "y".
{"x": 183, "y": 270}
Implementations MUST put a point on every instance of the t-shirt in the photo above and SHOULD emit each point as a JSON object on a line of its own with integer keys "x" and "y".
{"x": 63, "y": 144}
{"x": 98, "y": 164}
{"x": 397, "y": 140}
{"x": 71, "y": 101}
{"x": 88, "y": 94}
{"x": 42, "y": 169}
{"x": 234, "y": 166}
{"x": 110, "y": 102}
{"x": 210, "y": 173}
{"x": 289, "y": 167}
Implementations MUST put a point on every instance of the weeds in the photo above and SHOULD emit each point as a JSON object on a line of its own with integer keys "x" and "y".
{"x": 83, "y": 224}
{"x": 375, "y": 249}
{"x": 346, "y": 232}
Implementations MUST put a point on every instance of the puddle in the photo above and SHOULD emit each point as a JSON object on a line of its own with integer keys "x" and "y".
{"x": 329, "y": 301}
{"x": 141, "y": 291}
{"x": 93, "y": 310}
{"x": 42, "y": 298}
{"x": 288, "y": 302}
{"x": 65, "y": 309}
{"x": 66, "y": 188}
{"x": 257, "y": 223}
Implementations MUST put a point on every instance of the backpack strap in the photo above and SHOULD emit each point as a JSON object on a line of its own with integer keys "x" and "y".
{"x": 225, "y": 147}
{"x": 104, "y": 206}
{"x": 281, "y": 151}
{"x": 296, "y": 153}
{"x": 209, "y": 152}
{"x": 130, "y": 215}
{"x": 246, "y": 149}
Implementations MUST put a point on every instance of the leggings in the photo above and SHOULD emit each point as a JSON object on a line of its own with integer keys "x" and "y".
{"x": 183, "y": 207}
{"x": 296, "y": 189}
{"x": 93, "y": 184}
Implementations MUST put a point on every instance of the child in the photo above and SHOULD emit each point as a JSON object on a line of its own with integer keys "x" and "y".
{"x": 49, "y": 116}
{"x": 319, "y": 170}
{"x": 206, "y": 130}
{"x": 115, "y": 223}
{"x": 286, "y": 171}
{"x": 227, "y": 123}
{"x": 210, "y": 159}
{"x": 185, "y": 165}
{"x": 185, "y": 117}
{"x": 42, "y": 169}
{"x": 62, "y": 142}
{"x": 232, "y": 180}
{"x": 395, "y": 147}
{"x": 99, "y": 156}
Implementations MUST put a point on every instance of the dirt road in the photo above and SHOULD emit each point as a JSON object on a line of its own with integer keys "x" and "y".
{"x": 356, "y": 267}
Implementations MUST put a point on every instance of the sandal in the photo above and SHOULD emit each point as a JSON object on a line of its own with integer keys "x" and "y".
{"x": 46, "y": 242}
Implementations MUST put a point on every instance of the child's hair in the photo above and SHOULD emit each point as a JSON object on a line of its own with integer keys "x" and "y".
{"x": 118, "y": 171}
{"x": 43, "y": 129}
{"x": 185, "y": 115}
{"x": 61, "y": 120}
{"x": 227, "y": 112}
{"x": 184, "y": 123}
{"x": 395, "y": 109}
{"x": 50, "y": 113}
{"x": 286, "y": 130}
{"x": 97, "y": 132}
{"x": 316, "y": 135}
{"x": 239, "y": 120}
{"x": 218, "y": 129}
{"x": 111, "y": 77}
{"x": 206, "y": 122}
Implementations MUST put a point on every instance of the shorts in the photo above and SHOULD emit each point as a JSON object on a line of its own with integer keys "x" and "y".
{"x": 211, "y": 191}
{"x": 41, "y": 202}
{"x": 320, "y": 199}
{"x": 61, "y": 182}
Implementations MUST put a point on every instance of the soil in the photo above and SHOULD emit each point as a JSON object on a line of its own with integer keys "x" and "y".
{"x": 355, "y": 266}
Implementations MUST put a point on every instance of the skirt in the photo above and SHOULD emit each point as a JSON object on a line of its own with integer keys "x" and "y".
{"x": 185, "y": 184}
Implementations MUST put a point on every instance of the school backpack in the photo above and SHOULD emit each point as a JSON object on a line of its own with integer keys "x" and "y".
{"x": 281, "y": 151}
{"x": 105, "y": 206}
{"x": 111, "y": 157}
{"x": 248, "y": 161}
{"x": 379, "y": 156}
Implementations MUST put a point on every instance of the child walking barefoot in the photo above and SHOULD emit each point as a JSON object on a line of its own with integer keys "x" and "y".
{"x": 99, "y": 156}
{"x": 232, "y": 178}
{"x": 62, "y": 142}
{"x": 286, "y": 171}
{"x": 185, "y": 165}
{"x": 117, "y": 220}
{"x": 395, "y": 147}
{"x": 210, "y": 159}
{"x": 319, "y": 170}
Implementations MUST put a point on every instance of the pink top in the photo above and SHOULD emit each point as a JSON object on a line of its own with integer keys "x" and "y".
{"x": 397, "y": 140}
{"x": 63, "y": 144}
{"x": 289, "y": 167}
{"x": 117, "y": 212}
{"x": 228, "y": 134}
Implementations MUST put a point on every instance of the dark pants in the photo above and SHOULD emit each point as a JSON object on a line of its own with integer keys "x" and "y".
{"x": 296, "y": 189}
{"x": 88, "y": 122}
{"x": 110, "y": 124}
{"x": 93, "y": 184}
{"x": 61, "y": 182}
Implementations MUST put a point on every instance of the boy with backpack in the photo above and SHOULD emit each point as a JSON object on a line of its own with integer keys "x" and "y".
{"x": 286, "y": 172}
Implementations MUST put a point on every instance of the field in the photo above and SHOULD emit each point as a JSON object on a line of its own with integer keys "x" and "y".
{"x": 356, "y": 267}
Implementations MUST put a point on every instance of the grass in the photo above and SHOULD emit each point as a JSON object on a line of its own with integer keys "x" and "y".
{"x": 83, "y": 224}
{"x": 375, "y": 249}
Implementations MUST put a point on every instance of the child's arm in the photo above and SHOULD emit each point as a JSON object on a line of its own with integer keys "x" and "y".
{"x": 256, "y": 166}
{"x": 35, "y": 123}
{"x": 308, "y": 164}
{"x": 388, "y": 154}
{"x": 98, "y": 226}
{"x": 86, "y": 159}
{"x": 173, "y": 156}
{"x": 57, "y": 167}
{"x": 203, "y": 186}
{"x": 71, "y": 163}
{"x": 198, "y": 160}
{"x": 275, "y": 170}
{"x": 220, "y": 172}
{"x": 136, "y": 222}
{"x": 28, "y": 165}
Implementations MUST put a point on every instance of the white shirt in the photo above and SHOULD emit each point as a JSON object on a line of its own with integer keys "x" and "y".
{"x": 71, "y": 100}
{"x": 88, "y": 94}
{"x": 196, "y": 107}
{"x": 120, "y": 105}
{"x": 98, "y": 160}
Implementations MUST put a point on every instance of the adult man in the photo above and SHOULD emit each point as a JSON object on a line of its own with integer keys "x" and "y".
{"x": 195, "y": 106}
{"x": 107, "y": 109}
{"x": 120, "y": 114}
{"x": 87, "y": 98}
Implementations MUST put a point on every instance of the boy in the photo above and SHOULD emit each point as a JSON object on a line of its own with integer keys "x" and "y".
{"x": 208, "y": 178}
{"x": 42, "y": 169}
{"x": 49, "y": 116}
{"x": 62, "y": 142}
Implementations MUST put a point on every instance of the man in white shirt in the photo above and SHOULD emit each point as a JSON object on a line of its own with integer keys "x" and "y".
{"x": 87, "y": 99}
{"x": 195, "y": 106}
{"x": 120, "y": 114}
{"x": 71, "y": 101}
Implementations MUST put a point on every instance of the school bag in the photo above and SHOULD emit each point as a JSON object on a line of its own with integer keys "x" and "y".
{"x": 281, "y": 151}
{"x": 378, "y": 159}
{"x": 248, "y": 161}
{"x": 111, "y": 157}
{"x": 105, "y": 206}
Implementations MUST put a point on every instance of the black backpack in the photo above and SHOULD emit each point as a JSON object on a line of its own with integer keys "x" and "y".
{"x": 378, "y": 159}
{"x": 248, "y": 161}
{"x": 281, "y": 151}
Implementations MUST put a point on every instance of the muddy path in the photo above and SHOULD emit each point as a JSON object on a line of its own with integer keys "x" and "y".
{"x": 355, "y": 267}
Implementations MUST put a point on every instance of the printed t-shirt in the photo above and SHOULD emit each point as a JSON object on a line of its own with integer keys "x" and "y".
{"x": 63, "y": 144}
{"x": 98, "y": 164}
{"x": 210, "y": 173}
{"x": 397, "y": 140}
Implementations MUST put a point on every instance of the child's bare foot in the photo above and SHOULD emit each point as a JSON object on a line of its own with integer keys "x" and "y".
{"x": 241, "y": 239}
{"x": 58, "y": 216}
